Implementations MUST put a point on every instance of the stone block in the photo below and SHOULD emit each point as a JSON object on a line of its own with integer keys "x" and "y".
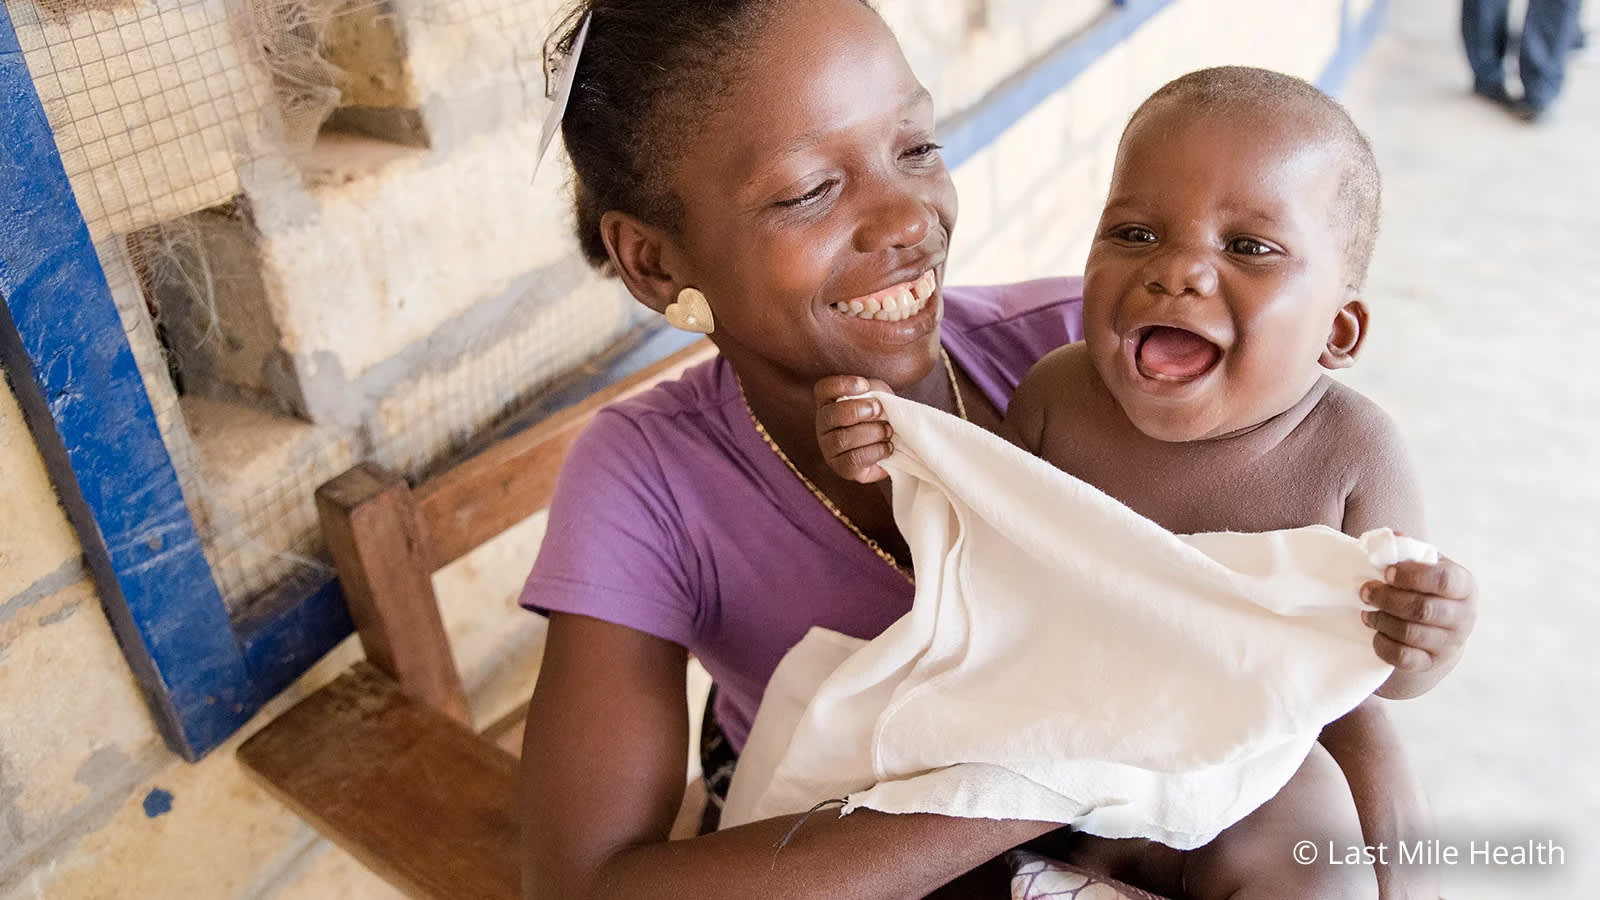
{"x": 180, "y": 830}
{"x": 36, "y": 542}
{"x": 202, "y": 274}
{"x": 405, "y": 248}
{"x": 76, "y": 736}
{"x": 1032, "y": 150}
{"x": 517, "y": 346}
{"x": 477, "y": 64}
{"x": 364, "y": 44}
{"x": 325, "y": 871}
{"x": 1100, "y": 97}
{"x": 150, "y": 105}
{"x": 497, "y": 644}
{"x": 976, "y": 189}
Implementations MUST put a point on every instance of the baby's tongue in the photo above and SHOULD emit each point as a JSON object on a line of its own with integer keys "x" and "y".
{"x": 1175, "y": 353}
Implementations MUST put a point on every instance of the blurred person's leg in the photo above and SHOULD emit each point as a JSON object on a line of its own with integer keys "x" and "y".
{"x": 1547, "y": 37}
{"x": 1485, "y": 32}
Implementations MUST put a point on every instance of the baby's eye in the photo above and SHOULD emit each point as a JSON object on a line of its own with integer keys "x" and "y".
{"x": 1248, "y": 247}
{"x": 924, "y": 150}
{"x": 809, "y": 197}
{"x": 1135, "y": 234}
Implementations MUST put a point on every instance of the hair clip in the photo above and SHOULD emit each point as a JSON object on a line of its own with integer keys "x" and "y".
{"x": 563, "y": 93}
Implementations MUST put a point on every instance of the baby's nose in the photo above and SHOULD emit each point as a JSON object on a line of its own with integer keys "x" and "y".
{"x": 1182, "y": 270}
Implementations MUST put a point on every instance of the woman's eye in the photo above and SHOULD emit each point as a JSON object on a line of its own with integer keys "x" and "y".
{"x": 1135, "y": 234}
{"x": 1248, "y": 247}
{"x": 923, "y": 151}
{"x": 809, "y": 197}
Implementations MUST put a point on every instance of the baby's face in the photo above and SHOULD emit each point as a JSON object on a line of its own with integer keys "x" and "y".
{"x": 1215, "y": 272}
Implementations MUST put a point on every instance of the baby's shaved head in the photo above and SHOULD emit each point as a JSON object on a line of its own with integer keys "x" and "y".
{"x": 1251, "y": 92}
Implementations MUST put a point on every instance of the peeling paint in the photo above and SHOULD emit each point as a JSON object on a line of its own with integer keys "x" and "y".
{"x": 66, "y": 575}
{"x": 47, "y": 840}
{"x": 61, "y": 615}
{"x": 157, "y": 803}
{"x": 11, "y": 821}
{"x": 106, "y": 766}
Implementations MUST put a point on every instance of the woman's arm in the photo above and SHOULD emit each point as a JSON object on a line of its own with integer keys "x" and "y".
{"x": 603, "y": 766}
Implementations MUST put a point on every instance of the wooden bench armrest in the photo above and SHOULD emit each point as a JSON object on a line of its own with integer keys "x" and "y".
{"x": 383, "y": 761}
{"x": 412, "y": 794}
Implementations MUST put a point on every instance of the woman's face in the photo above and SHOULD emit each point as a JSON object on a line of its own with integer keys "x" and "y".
{"x": 817, "y": 209}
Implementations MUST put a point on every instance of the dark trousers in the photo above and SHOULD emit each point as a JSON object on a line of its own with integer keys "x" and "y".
{"x": 1548, "y": 34}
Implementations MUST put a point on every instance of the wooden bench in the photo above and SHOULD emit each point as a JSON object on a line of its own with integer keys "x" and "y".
{"x": 384, "y": 760}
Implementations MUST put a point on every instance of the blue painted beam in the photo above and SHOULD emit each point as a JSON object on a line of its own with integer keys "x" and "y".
{"x": 1354, "y": 42}
{"x": 284, "y": 636}
{"x": 969, "y": 132}
{"x": 69, "y": 363}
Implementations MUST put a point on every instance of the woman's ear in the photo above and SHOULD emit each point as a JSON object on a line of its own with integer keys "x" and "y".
{"x": 640, "y": 253}
{"x": 1345, "y": 337}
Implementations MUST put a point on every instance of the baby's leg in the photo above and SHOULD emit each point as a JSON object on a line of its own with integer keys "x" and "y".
{"x": 1255, "y": 859}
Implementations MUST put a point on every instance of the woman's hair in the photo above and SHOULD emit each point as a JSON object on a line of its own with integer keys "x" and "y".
{"x": 649, "y": 73}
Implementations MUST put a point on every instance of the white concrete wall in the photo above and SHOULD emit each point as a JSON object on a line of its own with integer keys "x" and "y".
{"x": 373, "y": 263}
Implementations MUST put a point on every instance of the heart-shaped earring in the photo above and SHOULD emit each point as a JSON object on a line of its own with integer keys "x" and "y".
{"x": 691, "y": 312}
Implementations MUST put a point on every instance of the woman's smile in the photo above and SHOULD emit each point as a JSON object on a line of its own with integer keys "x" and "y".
{"x": 894, "y": 303}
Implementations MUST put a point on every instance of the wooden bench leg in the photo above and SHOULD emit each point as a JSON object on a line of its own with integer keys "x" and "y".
{"x": 370, "y": 521}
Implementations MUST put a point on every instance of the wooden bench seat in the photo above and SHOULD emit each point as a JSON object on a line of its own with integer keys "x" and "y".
{"x": 416, "y": 796}
{"x": 384, "y": 760}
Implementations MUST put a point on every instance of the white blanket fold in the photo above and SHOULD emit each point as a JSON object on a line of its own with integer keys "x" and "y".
{"x": 1066, "y": 659}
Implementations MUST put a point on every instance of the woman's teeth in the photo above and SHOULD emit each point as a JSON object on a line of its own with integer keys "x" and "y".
{"x": 892, "y": 304}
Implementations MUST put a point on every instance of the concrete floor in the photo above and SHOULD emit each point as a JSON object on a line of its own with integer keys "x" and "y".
{"x": 1486, "y": 334}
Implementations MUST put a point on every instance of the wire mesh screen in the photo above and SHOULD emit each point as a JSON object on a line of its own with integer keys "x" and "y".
{"x": 208, "y": 142}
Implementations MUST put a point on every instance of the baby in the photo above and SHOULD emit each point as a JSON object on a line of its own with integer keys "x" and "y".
{"x": 1226, "y": 274}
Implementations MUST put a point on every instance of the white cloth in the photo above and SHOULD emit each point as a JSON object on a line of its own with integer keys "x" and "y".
{"x": 1068, "y": 660}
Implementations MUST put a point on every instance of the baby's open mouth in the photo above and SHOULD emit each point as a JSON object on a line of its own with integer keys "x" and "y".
{"x": 1166, "y": 353}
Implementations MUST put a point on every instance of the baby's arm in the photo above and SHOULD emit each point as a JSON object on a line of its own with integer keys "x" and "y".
{"x": 853, "y": 434}
{"x": 855, "y": 437}
{"x": 1389, "y": 798}
{"x": 1424, "y": 612}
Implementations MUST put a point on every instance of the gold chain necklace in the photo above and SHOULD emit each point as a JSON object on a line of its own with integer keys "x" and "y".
{"x": 874, "y": 546}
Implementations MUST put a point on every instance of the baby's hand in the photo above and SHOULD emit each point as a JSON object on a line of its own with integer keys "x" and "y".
{"x": 1423, "y": 617}
{"x": 852, "y": 433}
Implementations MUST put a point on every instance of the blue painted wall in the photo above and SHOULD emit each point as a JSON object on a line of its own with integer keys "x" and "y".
{"x": 63, "y": 347}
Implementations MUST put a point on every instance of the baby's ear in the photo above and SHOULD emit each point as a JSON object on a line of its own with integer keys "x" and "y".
{"x": 1345, "y": 337}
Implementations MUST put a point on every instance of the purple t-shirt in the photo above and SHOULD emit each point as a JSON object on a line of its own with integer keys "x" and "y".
{"x": 673, "y": 517}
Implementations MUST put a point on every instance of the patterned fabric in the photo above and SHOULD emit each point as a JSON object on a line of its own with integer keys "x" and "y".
{"x": 717, "y": 762}
{"x": 1035, "y": 877}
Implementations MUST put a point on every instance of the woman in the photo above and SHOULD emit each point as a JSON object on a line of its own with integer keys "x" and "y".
{"x": 763, "y": 171}
{"x": 707, "y": 158}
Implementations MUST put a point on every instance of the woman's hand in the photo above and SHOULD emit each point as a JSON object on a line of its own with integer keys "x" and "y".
{"x": 1423, "y": 617}
{"x": 852, "y": 433}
